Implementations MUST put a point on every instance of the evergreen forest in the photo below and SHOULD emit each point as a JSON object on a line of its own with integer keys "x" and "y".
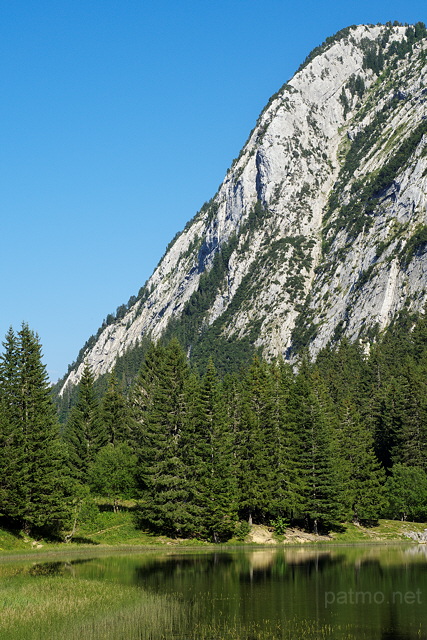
{"x": 343, "y": 438}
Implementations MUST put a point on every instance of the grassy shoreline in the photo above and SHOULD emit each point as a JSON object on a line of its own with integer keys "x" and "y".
{"x": 117, "y": 531}
{"x": 43, "y": 596}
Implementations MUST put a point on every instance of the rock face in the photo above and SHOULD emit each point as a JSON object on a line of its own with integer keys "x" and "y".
{"x": 319, "y": 228}
{"x": 417, "y": 536}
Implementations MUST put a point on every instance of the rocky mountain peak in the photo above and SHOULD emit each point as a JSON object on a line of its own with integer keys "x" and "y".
{"x": 319, "y": 227}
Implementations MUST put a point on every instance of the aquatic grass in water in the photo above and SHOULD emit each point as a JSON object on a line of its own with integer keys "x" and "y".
{"x": 85, "y": 610}
{"x": 258, "y": 594}
{"x": 295, "y": 630}
{"x": 75, "y": 609}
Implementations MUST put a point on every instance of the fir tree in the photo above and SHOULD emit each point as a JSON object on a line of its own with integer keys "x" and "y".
{"x": 384, "y": 414}
{"x": 9, "y": 382}
{"x": 208, "y": 448}
{"x": 195, "y": 453}
{"x": 254, "y": 472}
{"x": 362, "y": 476}
{"x": 322, "y": 502}
{"x": 44, "y": 480}
{"x": 84, "y": 433}
{"x": 342, "y": 369}
{"x": 282, "y": 444}
{"x": 12, "y": 460}
{"x": 159, "y": 406}
{"x": 407, "y": 491}
{"x": 115, "y": 414}
{"x": 31, "y": 434}
{"x": 411, "y": 448}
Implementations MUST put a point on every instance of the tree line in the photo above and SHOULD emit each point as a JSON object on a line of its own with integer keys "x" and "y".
{"x": 342, "y": 438}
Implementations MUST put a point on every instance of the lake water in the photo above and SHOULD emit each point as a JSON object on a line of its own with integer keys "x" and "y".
{"x": 372, "y": 593}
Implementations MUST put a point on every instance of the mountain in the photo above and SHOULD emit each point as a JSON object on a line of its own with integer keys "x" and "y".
{"x": 319, "y": 229}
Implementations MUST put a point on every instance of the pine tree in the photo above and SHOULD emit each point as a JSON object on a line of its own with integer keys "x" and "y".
{"x": 45, "y": 482}
{"x": 115, "y": 414}
{"x": 12, "y": 460}
{"x": 195, "y": 453}
{"x": 159, "y": 409}
{"x": 32, "y": 431}
{"x": 282, "y": 444}
{"x": 363, "y": 478}
{"x": 407, "y": 490}
{"x": 322, "y": 502}
{"x": 411, "y": 448}
{"x": 384, "y": 413}
{"x": 11, "y": 467}
{"x": 342, "y": 369}
{"x": 9, "y": 384}
{"x": 84, "y": 433}
{"x": 254, "y": 472}
{"x": 208, "y": 451}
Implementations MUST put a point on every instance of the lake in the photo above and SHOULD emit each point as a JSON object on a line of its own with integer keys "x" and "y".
{"x": 342, "y": 593}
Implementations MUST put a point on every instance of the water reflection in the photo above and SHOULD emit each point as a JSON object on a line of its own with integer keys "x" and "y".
{"x": 49, "y": 569}
{"x": 376, "y": 593}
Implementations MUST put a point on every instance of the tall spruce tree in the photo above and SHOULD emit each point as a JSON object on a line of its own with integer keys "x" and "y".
{"x": 115, "y": 414}
{"x": 195, "y": 453}
{"x": 407, "y": 491}
{"x": 84, "y": 433}
{"x": 411, "y": 448}
{"x": 208, "y": 451}
{"x": 254, "y": 472}
{"x": 384, "y": 414}
{"x": 159, "y": 410}
{"x": 9, "y": 383}
{"x": 44, "y": 481}
{"x": 322, "y": 502}
{"x": 12, "y": 460}
{"x": 282, "y": 444}
{"x": 362, "y": 476}
{"x": 40, "y": 497}
{"x": 343, "y": 369}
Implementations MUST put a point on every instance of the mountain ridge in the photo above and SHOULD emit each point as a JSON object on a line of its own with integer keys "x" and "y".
{"x": 300, "y": 244}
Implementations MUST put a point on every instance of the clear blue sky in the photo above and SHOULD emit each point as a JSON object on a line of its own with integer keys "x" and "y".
{"x": 118, "y": 120}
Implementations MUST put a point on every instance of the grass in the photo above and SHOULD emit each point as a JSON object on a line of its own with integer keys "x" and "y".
{"x": 110, "y": 529}
{"x": 295, "y": 630}
{"x": 61, "y": 606}
{"x": 36, "y": 607}
{"x": 14, "y": 541}
{"x": 115, "y": 528}
{"x": 107, "y": 528}
{"x": 384, "y": 531}
{"x": 72, "y": 609}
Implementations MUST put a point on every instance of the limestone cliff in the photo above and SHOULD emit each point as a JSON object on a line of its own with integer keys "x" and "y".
{"x": 319, "y": 228}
